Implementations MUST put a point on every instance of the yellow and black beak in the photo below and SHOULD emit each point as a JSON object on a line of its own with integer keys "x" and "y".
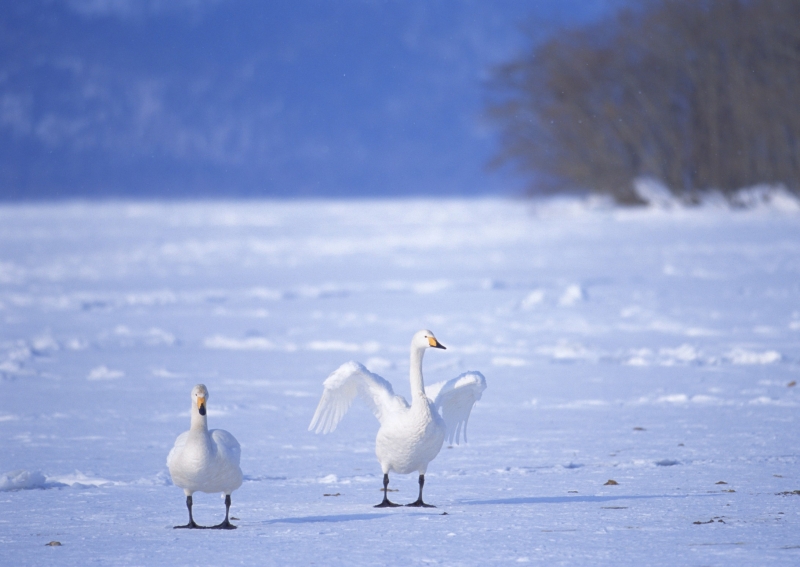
{"x": 201, "y": 405}
{"x": 435, "y": 344}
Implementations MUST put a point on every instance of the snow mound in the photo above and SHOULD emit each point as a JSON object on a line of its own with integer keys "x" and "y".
{"x": 509, "y": 361}
{"x": 744, "y": 356}
{"x": 654, "y": 193}
{"x": 758, "y": 197}
{"x": 79, "y": 480}
{"x": 250, "y": 343}
{"x": 572, "y": 295}
{"x": 104, "y": 373}
{"x": 774, "y": 197}
{"x": 333, "y": 345}
{"x": 533, "y": 299}
{"x": 22, "y": 479}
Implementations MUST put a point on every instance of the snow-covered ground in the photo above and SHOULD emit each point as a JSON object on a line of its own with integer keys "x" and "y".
{"x": 657, "y": 348}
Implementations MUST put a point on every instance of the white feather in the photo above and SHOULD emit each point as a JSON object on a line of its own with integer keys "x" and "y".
{"x": 455, "y": 398}
{"x": 352, "y": 379}
{"x": 410, "y": 435}
{"x": 203, "y": 460}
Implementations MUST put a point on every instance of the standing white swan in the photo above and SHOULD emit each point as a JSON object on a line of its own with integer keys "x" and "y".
{"x": 205, "y": 461}
{"x": 410, "y": 436}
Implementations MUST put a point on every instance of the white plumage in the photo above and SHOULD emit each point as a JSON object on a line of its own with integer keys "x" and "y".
{"x": 410, "y": 435}
{"x": 205, "y": 461}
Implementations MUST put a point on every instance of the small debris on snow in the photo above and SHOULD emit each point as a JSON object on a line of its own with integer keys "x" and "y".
{"x": 721, "y": 482}
{"x": 792, "y": 384}
{"x": 611, "y": 482}
{"x": 337, "y": 494}
{"x": 639, "y": 429}
{"x": 53, "y": 544}
{"x": 667, "y": 463}
{"x": 788, "y": 493}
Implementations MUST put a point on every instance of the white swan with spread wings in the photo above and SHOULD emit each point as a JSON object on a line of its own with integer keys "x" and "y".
{"x": 410, "y": 435}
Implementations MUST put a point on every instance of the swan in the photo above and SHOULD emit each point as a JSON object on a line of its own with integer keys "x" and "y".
{"x": 205, "y": 460}
{"x": 410, "y": 435}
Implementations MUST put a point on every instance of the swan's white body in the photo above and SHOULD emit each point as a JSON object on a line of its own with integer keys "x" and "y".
{"x": 203, "y": 460}
{"x": 410, "y": 435}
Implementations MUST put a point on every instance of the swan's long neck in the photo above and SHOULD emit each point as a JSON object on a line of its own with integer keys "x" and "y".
{"x": 417, "y": 385}
{"x": 199, "y": 422}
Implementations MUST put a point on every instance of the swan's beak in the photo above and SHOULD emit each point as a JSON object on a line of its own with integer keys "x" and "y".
{"x": 434, "y": 343}
{"x": 201, "y": 405}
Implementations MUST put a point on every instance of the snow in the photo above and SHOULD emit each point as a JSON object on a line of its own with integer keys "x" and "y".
{"x": 658, "y": 348}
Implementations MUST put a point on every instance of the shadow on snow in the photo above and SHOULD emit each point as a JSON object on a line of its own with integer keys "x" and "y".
{"x": 336, "y": 518}
{"x": 571, "y": 499}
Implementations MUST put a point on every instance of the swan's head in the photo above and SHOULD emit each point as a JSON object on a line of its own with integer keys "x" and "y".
{"x": 425, "y": 339}
{"x": 199, "y": 397}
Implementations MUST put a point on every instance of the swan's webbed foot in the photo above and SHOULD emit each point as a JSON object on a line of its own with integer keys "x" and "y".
{"x": 191, "y": 525}
{"x": 420, "y": 504}
{"x": 225, "y": 525}
{"x": 386, "y": 503}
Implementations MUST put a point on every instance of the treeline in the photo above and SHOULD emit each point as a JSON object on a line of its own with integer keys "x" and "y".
{"x": 699, "y": 94}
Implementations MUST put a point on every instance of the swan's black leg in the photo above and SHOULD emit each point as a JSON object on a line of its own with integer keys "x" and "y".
{"x": 226, "y": 525}
{"x": 191, "y": 523}
{"x": 419, "y": 502}
{"x": 386, "y": 503}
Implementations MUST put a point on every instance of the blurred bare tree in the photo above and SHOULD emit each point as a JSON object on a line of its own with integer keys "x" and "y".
{"x": 700, "y": 94}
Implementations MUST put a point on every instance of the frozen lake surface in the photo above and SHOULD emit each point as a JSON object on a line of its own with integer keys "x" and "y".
{"x": 655, "y": 348}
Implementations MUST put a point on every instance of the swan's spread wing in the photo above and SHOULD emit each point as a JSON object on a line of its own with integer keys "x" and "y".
{"x": 227, "y": 444}
{"x": 456, "y": 398}
{"x": 179, "y": 444}
{"x": 342, "y": 386}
